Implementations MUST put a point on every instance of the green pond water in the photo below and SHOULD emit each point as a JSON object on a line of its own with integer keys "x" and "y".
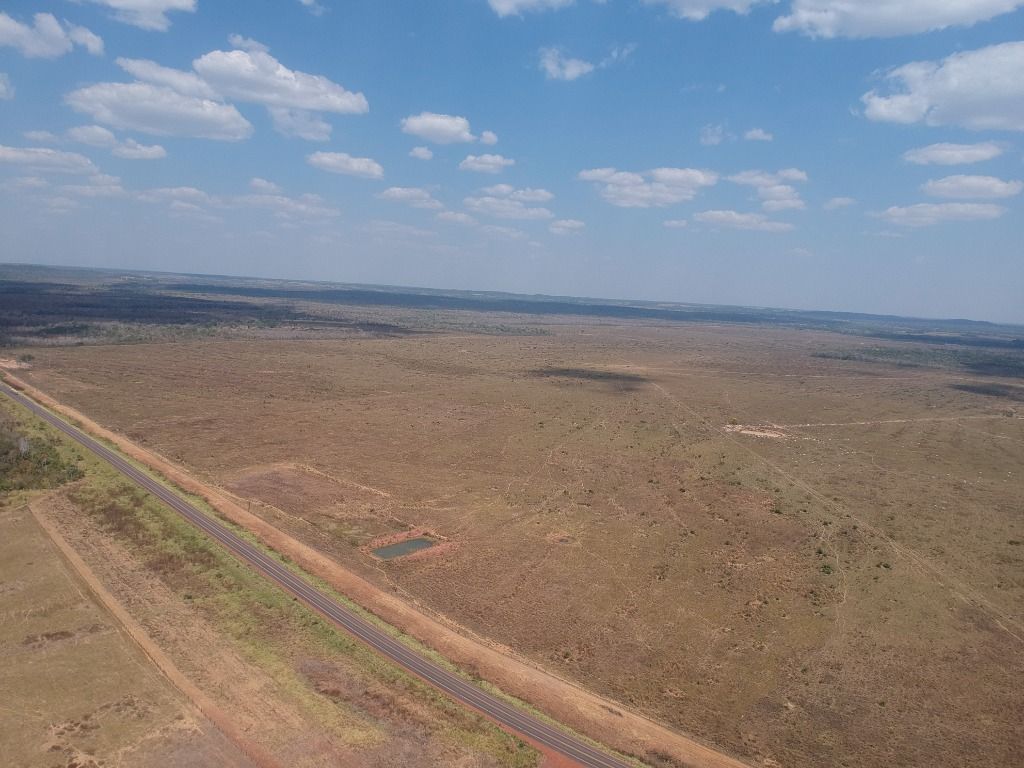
{"x": 404, "y": 548}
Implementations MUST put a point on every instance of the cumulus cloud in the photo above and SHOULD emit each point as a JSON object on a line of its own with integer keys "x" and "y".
{"x": 284, "y": 207}
{"x": 300, "y": 124}
{"x": 185, "y": 83}
{"x": 6, "y": 89}
{"x": 257, "y": 77}
{"x": 527, "y": 195}
{"x": 439, "y": 129}
{"x": 147, "y": 14}
{"x": 313, "y": 7}
{"x": 98, "y": 185}
{"x": 339, "y": 162}
{"x": 979, "y": 90}
{"x": 757, "y": 222}
{"x": 566, "y": 226}
{"x": 712, "y": 135}
{"x": 647, "y": 189}
{"x": 45, "y": 159}
{"x": 928, "y": 214}
{"x": 488, "y": 137}
{"x": 557, "y": 66}
{"x": 130, "y": 149}
{"x": 758, "y": 134}
{"x": 504, "y": 207}
{"x": 42, "y": 137}
{"x": 93, "y": 135}
{"x": 263, "y": 187}
{"x": 774, "y": 189}
{"x": 887, "y": 18}
{"x": 836, "y": 203}
{"x": 46, "y": 38}
{"x": 159, "y": 110}
{"x": 457, "y": 217}
{"x": 421, "y": 153}
{"x": 486, "y": 163}
{"x": 414, "y": 196}
{"x": 698, "y": 10}
{"x": 516, "y": 7}
{"x": 953, "y": 154}
{"x": 969, "y": 187}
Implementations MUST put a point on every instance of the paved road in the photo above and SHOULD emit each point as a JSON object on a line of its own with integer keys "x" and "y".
{"x": 507, "y": 716}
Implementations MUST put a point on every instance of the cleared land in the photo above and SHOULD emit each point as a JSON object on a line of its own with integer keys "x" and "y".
{"x": 800, "y": 545}
{"x": 295, "y": 691}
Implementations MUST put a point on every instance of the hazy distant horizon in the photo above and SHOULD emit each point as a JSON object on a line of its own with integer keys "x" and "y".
{"x": 542, "y": 295}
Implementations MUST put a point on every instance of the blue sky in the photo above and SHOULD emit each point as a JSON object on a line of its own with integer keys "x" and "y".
{"x": 859, "y": 155}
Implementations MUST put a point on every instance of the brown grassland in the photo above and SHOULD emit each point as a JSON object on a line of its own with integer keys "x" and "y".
{"x": 805, "y": 560}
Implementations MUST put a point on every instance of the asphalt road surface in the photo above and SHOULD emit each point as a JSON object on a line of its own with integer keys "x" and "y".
{"x": 504, "y": 714}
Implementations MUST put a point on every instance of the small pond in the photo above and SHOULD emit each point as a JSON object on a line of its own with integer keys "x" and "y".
{"x": 406, "y": 547}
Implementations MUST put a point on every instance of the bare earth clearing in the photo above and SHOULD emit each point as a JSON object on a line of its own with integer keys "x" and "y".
{"x": 849, "y": 593}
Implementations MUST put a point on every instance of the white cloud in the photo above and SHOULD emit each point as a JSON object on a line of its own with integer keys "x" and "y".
{"x": 421, "y": 153}
{"x": 676, "y": 223}
{"x": 130, "y": 149}
{"x": 246, "y": 43}
{"x": 256, "y": 76}
{"x": 93, "y": 135}
{"x": 180, "y": 194}
{"x": 457, "y": 217}
{"x": 647, "y": 189}
{"x": 509, "y": 232}
{"x": 927, "y": 214}
{"x": 979, "y": 90}
{"x": 557, "y": 66}
{"x": 698, "y": 10}
{"x": 953, "y": 154}
{"x": 712, "y": 135}
{"x": 502, "y": 207}
{"x": 531, "y": 195}
{"x": 147, "y": 14}
{"x": 488, "y": 137}
{"x": 516, "y": 7}
{"x": 47, "y": 38}
{"x": 313, "y": 7}
{"x": 6, "y": 89}
{"x": 486, "y": 163}
{"x": 288, "y": 208}
{"x": 93, "y": 43}
{"x": 263, "y": 187}
{"x": 772, "y": 189}
{"x": 159, "y": 110}
{"x": 886, "y": 18}
{"x": 300, "y": 124}
{"x": 44, "y": 159}
{"x": 414, "y": 196}
{"x": 566, "y": 226}
{"x": 339, "y": 162}
{"x": 972, "y": 187}
{"x": 98, "y": 136}
{"x": 836, "y": 203}
{"x": 99, "y": 185}
{"x": 758, "y": 134}
{"x": 42, "y": 137}
{"x": 735, "y": 220}
{"x": 185, "y": 83}
{"x": 439, "y": 129}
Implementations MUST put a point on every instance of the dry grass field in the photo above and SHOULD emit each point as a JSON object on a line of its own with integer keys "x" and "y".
{"x": 77, "y": 692}
{"x": 783, "y": 541}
